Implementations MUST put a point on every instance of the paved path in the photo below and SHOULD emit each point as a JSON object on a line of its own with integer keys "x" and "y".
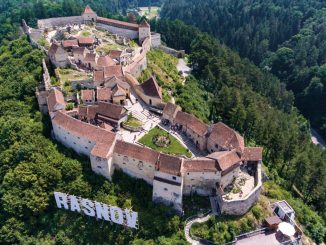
{"x": 190, "y": 223}
{"x": 215, "y": 211}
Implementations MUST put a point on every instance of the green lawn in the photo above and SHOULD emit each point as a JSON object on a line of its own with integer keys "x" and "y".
{"x": 133, "y": 122}
{"x": 175, "y": 148}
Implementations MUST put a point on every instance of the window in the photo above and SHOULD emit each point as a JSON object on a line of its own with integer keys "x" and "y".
{"x": 124, "y": 163}
{"x": 89, "y": 142}
{"x": 99, "y": 167}
{"x": 86, "y": 147}
{"x": 216, "y": 146}
{"x": 166, "y": 189}
{"x": 68, "y": 133}
{"x": 188, "y": 173}
{"x": 74, "y": 143}
{"x": 173, "y": 177}
{"x": 98, "y": 159}
{"x": 78, "y": 138}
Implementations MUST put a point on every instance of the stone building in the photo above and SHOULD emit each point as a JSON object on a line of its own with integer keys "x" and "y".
{"x": 195, "y": 129}
{"x": 170, "y": 111}
{"x": 150, "y": 92}
{"x": 89, "y": 15}
{"x": 87, "y": 96}
{"x": 58, "y": 56}
{"x": 171, "y": 177}
{"x": 144, "y": 31}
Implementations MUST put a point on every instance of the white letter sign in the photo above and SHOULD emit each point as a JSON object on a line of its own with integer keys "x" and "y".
{"x": 97, "y": 209}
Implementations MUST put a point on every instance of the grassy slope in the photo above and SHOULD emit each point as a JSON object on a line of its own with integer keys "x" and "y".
{"x": 163, "y": 66}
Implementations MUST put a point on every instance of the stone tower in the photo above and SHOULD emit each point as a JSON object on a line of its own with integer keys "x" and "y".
{"x": 89, "y": 15}
{"x": 144, "y": 31}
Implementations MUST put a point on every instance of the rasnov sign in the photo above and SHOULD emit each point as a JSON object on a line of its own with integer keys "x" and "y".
{"x": 97, "y": 209}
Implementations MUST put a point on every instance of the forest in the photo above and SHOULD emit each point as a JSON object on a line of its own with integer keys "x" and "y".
{"x": 284, "y": 37}
{"x": 257, "y": 105}
{"x": 223, "y": 87}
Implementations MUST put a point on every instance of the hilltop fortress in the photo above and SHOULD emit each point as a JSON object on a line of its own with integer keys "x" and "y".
{"x": 220, "y": 165}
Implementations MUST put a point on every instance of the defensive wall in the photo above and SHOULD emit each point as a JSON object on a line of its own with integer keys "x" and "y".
{"x": 176, "y": 53}
{"x": 242, "y": 205}
{"x": 132, "y": 34}
{"x": 60, "y": 21}
{"x": 42, "y": 90}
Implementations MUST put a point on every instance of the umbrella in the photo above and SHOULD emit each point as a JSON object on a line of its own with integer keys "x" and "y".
{"x": 286, "y": 229}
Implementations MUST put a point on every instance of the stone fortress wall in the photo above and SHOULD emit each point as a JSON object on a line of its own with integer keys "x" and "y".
{"x": 171, "y": 177}
{"x": 241, "y": 206}
{"x": 60, "y": 21}
{"x": 169, "y": 182}
{"x": 132, "y": 34}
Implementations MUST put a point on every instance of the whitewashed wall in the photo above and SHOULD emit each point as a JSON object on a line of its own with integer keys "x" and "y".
{"x": 168, "y": 193}
{"x": 102, "y": 166}
{"x": 229, "y": 177}
{"x": 135, "y": 167}
{"x": 200, "y": 182}
{"x": 132, "y": 34}
{"x": 79, "y": 144}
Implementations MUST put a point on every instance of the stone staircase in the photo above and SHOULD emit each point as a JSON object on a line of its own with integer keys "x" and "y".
{"x": 138, "y": 115}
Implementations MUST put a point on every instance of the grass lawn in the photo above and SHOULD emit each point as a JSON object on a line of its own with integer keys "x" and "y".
{"x": 174, "y": 148}
{"x": 70, "y": 74}
{"x": 133, "y": 122}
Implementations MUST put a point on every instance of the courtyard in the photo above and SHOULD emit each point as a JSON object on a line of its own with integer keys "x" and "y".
{"x": 160, "y": 140}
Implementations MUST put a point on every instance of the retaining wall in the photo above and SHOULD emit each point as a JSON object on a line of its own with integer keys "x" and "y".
{"x": 241, "y": 206}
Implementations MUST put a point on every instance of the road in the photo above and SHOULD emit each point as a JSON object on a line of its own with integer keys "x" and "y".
{"x": 317, "y": 139}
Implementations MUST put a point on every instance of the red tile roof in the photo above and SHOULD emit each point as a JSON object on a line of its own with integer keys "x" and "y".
{"x": 118, "y": 91}
{"x": 88, "y": 10}
{"x": 53, "y": 49}
{"x": 169, "y": 164}
{"x": 144, "y": 23}
{"x": 111, "y": 110}
{"x": 115, "y": 54}
{"x": 83, "y": 129}
{"x": 191, "y": 122}
{"x": 87, "y": 94}
{"x": 252, "y": 154}
{"x": 225, "y": 159}
{"x": 117, "y": 23}
{"x": 91, "y": 111}
{"x": 137, "y": 152}
{"x": 79, "y": 50}
{"x": 86, "y": 40}
{"x": 98, "y": 76}
{"x": 70, "y": 43}
{"x": 171, "y": 109}
{"x": 87, "y": 111}
{"x": 111, "y": 71}
{"x": 101, "y": 150}
{"x": 89, "y": 57}
{"x": 82, "y": 111}
{"x": 226, "y": 137}
{"x": 55, "y": 97}
{"x": 104, "y": 61}
{"x": 112, "y": 82}
{"x": 201, "y": 164}
{"x": 151, "y": 88}
{"x": 103, "y": 94}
